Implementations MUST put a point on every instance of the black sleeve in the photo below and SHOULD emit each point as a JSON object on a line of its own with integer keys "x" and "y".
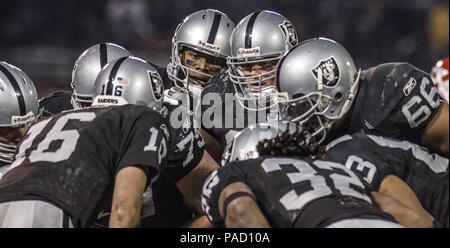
{"x": 397, "y": 100}
{"x": 55, "y": 103}
{"x": 145, "y": 145}
{"x": 420, "y": 102}
{"x": 213, "y": 186}
{"x": 187, "y": 147}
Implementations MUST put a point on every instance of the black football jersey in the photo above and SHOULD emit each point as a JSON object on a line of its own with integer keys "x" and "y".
{"x": 163, "y": 204}
{"x": 294, "y": 192}
{"x": 56, "y": 103}
{"x": 223, "y": 115}
{"x": 186, "y": 140}
{"x": 71, "y": 159}
{"x": 394, "y": 100}
{"x": 373, "y": 158}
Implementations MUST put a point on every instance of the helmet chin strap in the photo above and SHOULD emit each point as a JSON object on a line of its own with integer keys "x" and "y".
{"x": 350, "y": 97}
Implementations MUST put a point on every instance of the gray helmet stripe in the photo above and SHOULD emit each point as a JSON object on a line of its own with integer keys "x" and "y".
{"x": 214, "y": 28}
{"x": 113, "y": 74}
{"x": 249, "y": 30}
{"x": 16, "y": 87}
{"x": 103, "y": 55}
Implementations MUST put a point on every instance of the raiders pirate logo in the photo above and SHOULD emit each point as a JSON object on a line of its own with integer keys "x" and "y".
{"x": 157, "y": 85}
{"x": 330, "y": 72}
{"x": 289, "y": 33}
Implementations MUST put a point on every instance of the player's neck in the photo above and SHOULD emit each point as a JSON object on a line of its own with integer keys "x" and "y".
{"x": 342, "y": 126}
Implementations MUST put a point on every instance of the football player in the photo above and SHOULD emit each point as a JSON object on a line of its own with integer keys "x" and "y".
{"x": 85, "y": 71}
{"x": 18, "y": 110}
{"x": 415, "y": 178}
{"x": 173, "y": 200}
{"x": 257, "y": 44}
{"x": 200, "y": 47}
{"x": 379, "y": 160}
{"x": 439, "y": 74}
{"x": 328, "y": 105}
{"x": 264, "y": 185}
{"x": 67, "y": 165}
{"x": 318, "y": 81}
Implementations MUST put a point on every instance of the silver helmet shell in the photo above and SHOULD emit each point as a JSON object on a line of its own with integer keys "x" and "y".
{"x": 86, "y": 69}
{"x": 261, "y": 37}
{"x": 316, "y": 78}
{"x": 207, "y": 31}
{"x": 129, "y": 80}
{"x": 18, "y": 103}
{"x": 244, "y": 144}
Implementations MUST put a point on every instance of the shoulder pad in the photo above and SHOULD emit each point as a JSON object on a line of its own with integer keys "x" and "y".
{"x": 56, "y": 94}
{"x": 392, "y": 71}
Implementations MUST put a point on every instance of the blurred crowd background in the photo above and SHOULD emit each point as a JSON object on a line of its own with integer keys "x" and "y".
{"x": 44, "y": 37}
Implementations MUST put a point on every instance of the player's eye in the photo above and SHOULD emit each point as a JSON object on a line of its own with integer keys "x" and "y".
{"x": 269, "y": 64}
{"x": 195, "y": 55}
{"x": 245, "y": 67}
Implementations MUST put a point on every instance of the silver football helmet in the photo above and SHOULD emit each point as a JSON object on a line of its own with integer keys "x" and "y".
{"x": 129, "y": 80}
{"x": 18, "y": 104}
{"x": 206, "y": 31}
{"x": 317, "y": 82}
{"x": 244, "y": 144}
{"x": 86, "y": 70}
{"x": 260, "y": 39}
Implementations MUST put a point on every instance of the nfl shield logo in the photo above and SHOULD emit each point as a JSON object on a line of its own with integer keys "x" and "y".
{"x": 330, "y": 72}
{"x": 157, "y": 85}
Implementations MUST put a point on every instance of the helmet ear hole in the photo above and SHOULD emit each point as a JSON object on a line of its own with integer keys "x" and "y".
{"x": 338, "y": 96}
